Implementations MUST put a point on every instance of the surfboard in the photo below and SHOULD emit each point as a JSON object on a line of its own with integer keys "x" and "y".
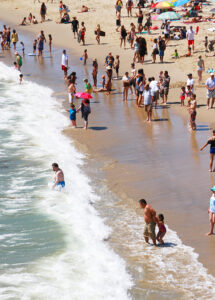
{"x": 102, "y": 33}
{"x": 31, "y": 54}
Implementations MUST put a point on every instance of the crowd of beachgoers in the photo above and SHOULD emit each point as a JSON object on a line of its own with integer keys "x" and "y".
{"x": 148, "y": 92}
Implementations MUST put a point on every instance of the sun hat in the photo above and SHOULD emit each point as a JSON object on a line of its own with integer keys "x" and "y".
{"x": 213, "y": 189}
{"x": 212, "y": 74}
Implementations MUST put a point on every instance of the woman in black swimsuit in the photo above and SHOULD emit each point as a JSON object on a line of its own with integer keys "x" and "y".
{"x": 140, "y": 20}
{"x": 123, "y": 36}
{"x": 211, "y": 142}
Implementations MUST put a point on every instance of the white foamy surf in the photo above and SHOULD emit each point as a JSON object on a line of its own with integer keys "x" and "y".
{"x": 82, "y": 265}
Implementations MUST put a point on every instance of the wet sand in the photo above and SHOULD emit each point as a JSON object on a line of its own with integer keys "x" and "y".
{"x": 160, "y": 162}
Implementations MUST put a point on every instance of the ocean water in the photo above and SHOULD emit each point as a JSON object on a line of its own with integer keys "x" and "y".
{"x": 51, "y": 243}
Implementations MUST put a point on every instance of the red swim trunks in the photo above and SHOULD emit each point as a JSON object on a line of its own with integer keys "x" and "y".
{"x": 190, "y": 42}
{"x": 64, "y": 68}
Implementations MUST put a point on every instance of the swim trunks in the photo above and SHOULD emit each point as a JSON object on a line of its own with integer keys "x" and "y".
{"x": 149, "y": 230}
{"x": 61, "y": 183}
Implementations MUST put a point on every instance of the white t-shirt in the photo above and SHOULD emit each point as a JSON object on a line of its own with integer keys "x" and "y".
{"x": 147, "y": 97}
{"x": 133, "y": 72}
{"x": 212, "y": 204}
{"x": 210, "y": 83}
{"x": 166, "y": 29}
{"x": 64, "y": 60}
{"x": 190, "y": 82}
{"x": 125, "y": 78}
{"x": 190, "y": 35}
{"x": 154, "y": 87}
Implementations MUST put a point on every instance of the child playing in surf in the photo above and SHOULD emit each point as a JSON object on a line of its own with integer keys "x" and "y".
{"x": 72, "y": 115}
{"x": 162, "y": 228}
{"x": 182, "y": 96}
{"x": 20, "y": 78}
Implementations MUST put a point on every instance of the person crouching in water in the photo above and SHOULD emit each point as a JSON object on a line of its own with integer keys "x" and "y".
{"x": 58, "y": 177}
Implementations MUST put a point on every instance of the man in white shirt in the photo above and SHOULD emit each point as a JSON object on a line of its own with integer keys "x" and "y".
{"x": 190, "y": 82}
{"x": 148, "y": 99}
{"x": 154, "y": 90}
{"x": 190, "y": 37}
{"x": 210, "y": 85}
{"x": 64, "y": 63}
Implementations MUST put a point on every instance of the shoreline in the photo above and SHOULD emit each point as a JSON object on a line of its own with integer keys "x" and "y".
{"x": 113, "y": 166}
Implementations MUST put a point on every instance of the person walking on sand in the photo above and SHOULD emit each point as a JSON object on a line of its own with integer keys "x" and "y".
{"x": 162, "y": 47}
{"x": 64, "y": 63}
{"x": 43, "y": 12}
{"x": 75, "y": 26}
{"x": 83, "y": 31}
{"x": 210, "y": 85}
{"x": 211, "y": 212}
{"x": 200, "y": 68}
{"x": 58, "y": 177}
{"x": 211, "y": 142}
{"x": 190, "y": 82}
{"x": 98, "y": 33}
{"x": 150, "y": 221}
{"x": 123, "y": 36}
{"x": 129, "y": 5}
{"x": 190, "y": 37}
{"x": 118, "y": 21}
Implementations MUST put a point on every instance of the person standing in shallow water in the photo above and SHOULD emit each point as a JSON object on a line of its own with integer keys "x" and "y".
{"x": 85, "y": 111}
{"x": 211, "y": 212}
{"x": 150, "y": 221}
{"x": 211, "y": 142}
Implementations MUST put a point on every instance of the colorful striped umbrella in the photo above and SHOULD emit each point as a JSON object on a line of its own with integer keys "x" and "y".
{"x": 163, "y": 4}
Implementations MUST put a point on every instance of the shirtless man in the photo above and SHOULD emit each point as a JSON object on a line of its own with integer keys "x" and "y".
{"x": 59, "y": 176}
{"x": 150, "y": 221}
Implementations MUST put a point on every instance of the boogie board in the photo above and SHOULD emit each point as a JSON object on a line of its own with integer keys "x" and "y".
{"x": 102, "y": 33}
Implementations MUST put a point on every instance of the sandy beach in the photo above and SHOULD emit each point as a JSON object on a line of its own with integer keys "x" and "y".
{"x": 161, "y": 161}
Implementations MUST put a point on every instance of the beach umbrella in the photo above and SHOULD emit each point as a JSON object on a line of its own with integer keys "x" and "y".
{"x": 163, "y": 4}
{"x": 180, "y": 2}
{"x": 83, "y": 95}
{"x": 169, "y": 15}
